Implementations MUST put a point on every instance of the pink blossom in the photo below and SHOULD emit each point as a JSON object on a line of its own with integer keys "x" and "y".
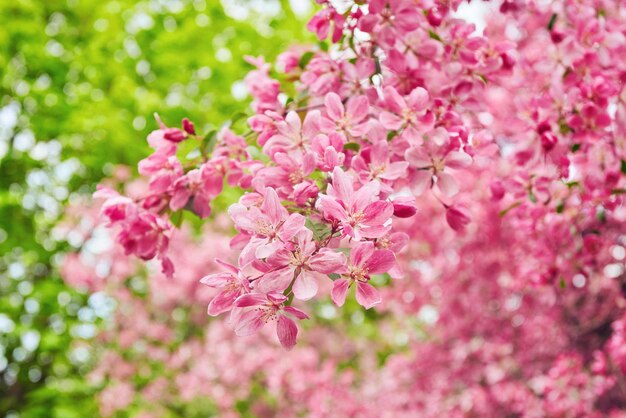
{"x": 349, "y": 119}
{"x": 431, "y": 160}
{"x": 360, "y": 213}
{"x": 409, "y": 114}
{"x": 270, "y": 224}
{"x": 303, "y": 264}
{"x": 268, "y": 308}
{"x": 365, "y": 259}
{"x": 233, "y": 283}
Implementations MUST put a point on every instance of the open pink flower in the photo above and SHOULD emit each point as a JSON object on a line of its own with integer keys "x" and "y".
{"x": 292, "y": 133}
{"x": 290, "y": 171}
{"x": 407, "y": 113}
{"x": 350, "y": 119}
{"x": 268, "y": 307}
{"x": 270, "y": 224}
{"x": 374, "y": 164}
{"x": 202, "y": 185}
{"x": 360, "y": 212}
{"x": 321, "y": 23}
{"x": 233, "y": 283}
{"x": 432, "y": 158}
{"x": 365, "y": 260}
{"x": 303, "y": 261}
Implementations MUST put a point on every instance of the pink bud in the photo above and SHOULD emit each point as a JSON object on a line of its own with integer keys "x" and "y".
{"x": 557, "y": 36}
{"x": 188, "y": 126}
{"x": 543, "y": 127}
{"x": 508, "y": 61}
{"x": 497, "y": 190}
{"x": 434, "y": 17}
{"x": 404, "y": 206}
{"x": 548, "y": 141}
{"x": 174, "y": 134}
{"x": 457, "y": 217}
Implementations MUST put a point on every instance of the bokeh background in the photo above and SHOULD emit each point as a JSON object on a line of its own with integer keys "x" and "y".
{"x": 79, "y": 81}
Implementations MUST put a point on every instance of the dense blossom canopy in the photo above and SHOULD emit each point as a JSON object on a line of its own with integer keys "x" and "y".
{"x": 483, "y": 173}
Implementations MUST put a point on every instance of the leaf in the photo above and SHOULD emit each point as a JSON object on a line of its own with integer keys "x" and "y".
{"x": 320, "y": 230}
{"x": 575, "y": 147}
{"x": 208, "y": 143}
{"x": 623, "y": 166}
{"x": 433, "y": 35}
{"x": 305, "y": 59}
{"x": 353, "y": 146}
{"x": 177, "y": 218}
{"x": 552, "y": 21}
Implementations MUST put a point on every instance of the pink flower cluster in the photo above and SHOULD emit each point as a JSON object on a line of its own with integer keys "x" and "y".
{"x": 525, "y": 122}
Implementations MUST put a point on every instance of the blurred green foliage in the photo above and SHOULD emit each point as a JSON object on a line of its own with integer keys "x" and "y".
{"x": 79, "y": 82}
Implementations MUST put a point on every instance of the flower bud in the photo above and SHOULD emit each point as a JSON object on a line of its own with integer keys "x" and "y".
{"x": 404, "y": 206}
{"x": 174, "y": 135}
{"x": 457, "y": 217}
{"x": 188, "y": 126}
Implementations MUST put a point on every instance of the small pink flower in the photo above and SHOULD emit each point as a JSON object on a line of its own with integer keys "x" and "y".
{"x": 270, "y": 224}
{"x": 360, "y": 212}
{"x": 365, "y": 260}
{"x": 404, "y": 113}
{"x": 373, "y": 164}
{"x": 268, "y": 307}
{"x": 320, "y": 24}
{"x": 233, "y": 283}
{"x": 350, "y": 119}
{"x": 432, "y": 158}
{"x": 303, "y": 261}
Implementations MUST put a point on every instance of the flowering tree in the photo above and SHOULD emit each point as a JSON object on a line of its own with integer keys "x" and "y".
{"x": 483, "y": 173}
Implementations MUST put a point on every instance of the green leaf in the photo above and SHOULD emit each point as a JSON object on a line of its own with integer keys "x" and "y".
{"x": 433, "y": 35}
{"x": 575, "y": 147}
{"x": 177, "y": 218}
{"x": 552, "y": 21}
{"x": 305, "y": 59}
{"x": 320, "y": 231}
{"x": 353, "y": 146}
{"x": 560, "y": 207}
{"x": 208, "y": 143}
{"x": 623, "y": 166}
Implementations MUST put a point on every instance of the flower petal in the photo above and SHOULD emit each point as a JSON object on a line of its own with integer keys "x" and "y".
{"x": 447, "y": 184}
{"x": 249, "y": 323}
{"x": 223, "y": 302}
{"x": 339, "y": 292}
{"x": 328, "y": 261}
{"x": 305, "y": 287}
{"x": 287, "y": 332}
{"x": 334, "y": 107}
{"x": 250, "y": 299}
{"x": 361, "y": 252}
{"x": 380, "y": 261}
{"x": 294, "y": 224}
{"x": 366, "y": 295}
{"x": 457, "y": 159}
